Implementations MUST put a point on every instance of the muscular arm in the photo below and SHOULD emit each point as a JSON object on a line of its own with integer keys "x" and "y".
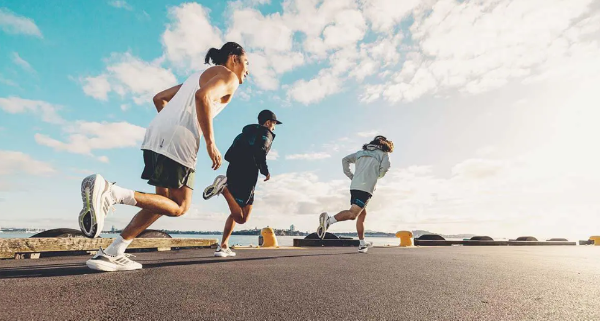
{"x": 162, "y": 98}
{"x": 221, "y": 85}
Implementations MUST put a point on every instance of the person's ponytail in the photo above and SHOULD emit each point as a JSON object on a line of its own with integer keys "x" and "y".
{"x": 220, "y": 56}
{"x": 213, "y": 54}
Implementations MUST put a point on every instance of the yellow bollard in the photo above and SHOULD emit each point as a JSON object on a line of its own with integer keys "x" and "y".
{"x": 269, "y": 239}
{"x": 596, "y": 240}
{"x": 405, "y": 238}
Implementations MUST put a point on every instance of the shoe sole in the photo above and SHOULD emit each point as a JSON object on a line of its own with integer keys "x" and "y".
{"x": 208, "y": 191}
{"x": 106, "y": 266}
{"x": 92, "y": 189}
{"x": 365, "y": 249}
{"x": 221, "y": 254}
{"x": 321, "y": 230}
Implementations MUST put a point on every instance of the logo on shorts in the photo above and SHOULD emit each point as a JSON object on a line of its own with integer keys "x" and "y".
{"x": 359, "y": 202}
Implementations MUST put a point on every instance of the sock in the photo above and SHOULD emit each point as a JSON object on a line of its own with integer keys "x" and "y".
{"x": 362, "y": 242}
{"x": 118, "y": 246}
{"x": 331, "y": 220}
{"x": 123, "y": 195}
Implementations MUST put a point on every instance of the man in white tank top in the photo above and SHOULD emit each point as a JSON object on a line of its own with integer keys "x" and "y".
{"x": 170, "y": 149}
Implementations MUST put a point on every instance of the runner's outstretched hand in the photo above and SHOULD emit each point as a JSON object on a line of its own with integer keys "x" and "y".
{"x": 268, "y": 177}
{"x": 214, "y": 155}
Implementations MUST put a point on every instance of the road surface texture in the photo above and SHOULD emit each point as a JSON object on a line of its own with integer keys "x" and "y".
{"x": 433, "y": 283}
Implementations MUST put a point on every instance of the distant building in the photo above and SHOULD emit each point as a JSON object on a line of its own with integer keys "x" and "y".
{"x": 292, "y": 228}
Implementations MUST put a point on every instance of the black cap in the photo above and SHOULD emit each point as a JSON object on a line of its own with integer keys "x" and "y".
{"x": 265, "y": 115}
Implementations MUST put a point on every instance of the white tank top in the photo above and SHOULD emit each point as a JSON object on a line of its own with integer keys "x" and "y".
{"x": 175, "y": 131}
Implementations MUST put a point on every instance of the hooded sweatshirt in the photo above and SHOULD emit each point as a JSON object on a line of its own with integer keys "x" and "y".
{"x": 370, "y": 164}
{"x": 250, "y": 148}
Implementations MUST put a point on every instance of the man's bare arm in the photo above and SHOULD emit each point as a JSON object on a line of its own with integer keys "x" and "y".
{"x": 162, "y": 98}
{"x": 221, "y": 85}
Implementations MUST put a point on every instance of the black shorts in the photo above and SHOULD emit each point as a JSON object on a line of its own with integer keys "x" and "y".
{"x": 162, "y": 171}
{"x": 359, "y": 198}
{"x": 241, "y": 181}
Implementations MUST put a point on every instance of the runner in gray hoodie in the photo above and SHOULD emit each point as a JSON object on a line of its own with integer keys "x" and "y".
{"x": 371, "y": 164}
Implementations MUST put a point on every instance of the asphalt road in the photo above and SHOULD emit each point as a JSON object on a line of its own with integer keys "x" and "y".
{"x": 441, "y": 283}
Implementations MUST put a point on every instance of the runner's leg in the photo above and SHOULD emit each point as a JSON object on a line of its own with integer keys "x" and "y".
{"x": 170, "y": 202}
{"x": 238, "y": 215}
{"x": 360, "y": 224}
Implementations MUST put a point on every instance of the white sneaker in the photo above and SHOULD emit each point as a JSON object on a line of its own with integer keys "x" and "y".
{"x": 224, "y": 252}
{"x": 97, "y": 197}
{"x": 108, "y": 263}
{"x": 363, "y": 248}
{"x": 215, "y": 188}
{"x": 323, "y": 225}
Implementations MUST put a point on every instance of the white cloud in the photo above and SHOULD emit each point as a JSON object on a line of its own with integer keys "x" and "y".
{"x": 14, "y": 24}
{"x": 96, "y": 87}
{"x": 327, "y": 25}
{"x": 47, "y": 111}
{"x": 85, "y": 137}
{"x": 349, "y": 27}
{"x": 478, "y": 168}
{"x": 122, "y": 4}
{"x": 273, "y": 155}
{"x": 308, "y": 156}
{"x": 267, "y": 33}
{"x": 22, "y": 63}
{"x": 500, "y": 41}
{"x": 314, "y": 90}
{"x": 189, "y": 35}
{"x": 125, "y": 107}
{"x": 268, "y": 40}
{"x": 300, "y": 194}
{"x": 129, "y": 75}
{"x": 12, "y": 162}
{"x": 384, "y": 15}
{"x": 103, "y": 159}
{"x": 261, "y": 71}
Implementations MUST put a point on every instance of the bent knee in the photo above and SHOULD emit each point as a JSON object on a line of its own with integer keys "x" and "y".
{"x": 179, "y": 211}
{"x": 241, "y": 220}
{"x": 238, "y": 217}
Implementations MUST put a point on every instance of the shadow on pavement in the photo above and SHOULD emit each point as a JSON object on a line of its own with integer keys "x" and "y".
{"x": 70, "y": 269}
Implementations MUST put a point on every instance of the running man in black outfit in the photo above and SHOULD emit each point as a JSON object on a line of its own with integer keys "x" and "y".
{"x": 247, "y": 156}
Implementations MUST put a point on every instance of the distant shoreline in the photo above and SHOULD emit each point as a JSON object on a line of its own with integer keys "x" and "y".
{"x": 278, "y": 232}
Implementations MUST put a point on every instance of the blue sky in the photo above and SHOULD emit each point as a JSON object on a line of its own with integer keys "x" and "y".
{"x": 490, "y": 107}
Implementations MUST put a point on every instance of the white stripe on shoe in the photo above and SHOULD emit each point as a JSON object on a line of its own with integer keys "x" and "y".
{"x": 107, "y": 263}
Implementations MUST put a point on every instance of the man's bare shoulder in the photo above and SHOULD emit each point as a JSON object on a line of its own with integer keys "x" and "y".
{"x": 220, "y": 72}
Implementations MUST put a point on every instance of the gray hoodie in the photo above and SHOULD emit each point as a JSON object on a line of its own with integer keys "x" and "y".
{"x": 370, "y": 165}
